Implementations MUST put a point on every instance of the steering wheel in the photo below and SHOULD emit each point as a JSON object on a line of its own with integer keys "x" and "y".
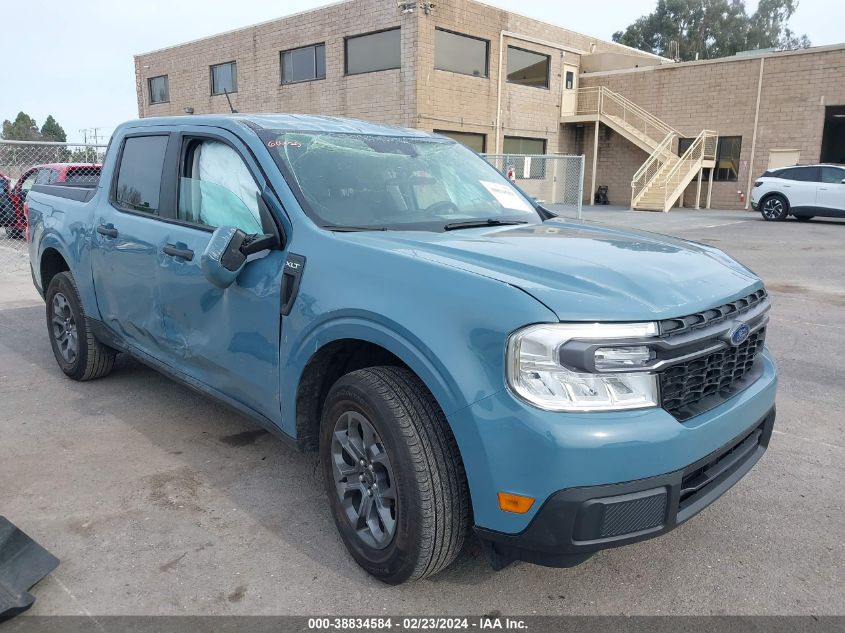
{"x": 438, "y": 207}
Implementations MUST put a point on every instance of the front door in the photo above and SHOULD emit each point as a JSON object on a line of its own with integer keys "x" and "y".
{"x": 569, "y": 104}
{"x": 226, "y": 338}
{"x": 831, "y": 190}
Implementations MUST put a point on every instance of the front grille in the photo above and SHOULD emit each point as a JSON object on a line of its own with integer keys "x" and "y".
{"x": 685, "y": 385}
{"x": 671, "y": 327}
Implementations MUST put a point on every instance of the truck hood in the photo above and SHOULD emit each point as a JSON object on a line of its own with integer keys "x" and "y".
{"x": 586, "y": 272}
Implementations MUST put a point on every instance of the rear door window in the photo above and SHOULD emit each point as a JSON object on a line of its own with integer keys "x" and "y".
{"x": 802, "y": 174}
{"x": 138, "y": 184}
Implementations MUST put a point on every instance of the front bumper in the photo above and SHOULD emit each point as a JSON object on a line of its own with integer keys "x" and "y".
{"x": 575, "y": 523}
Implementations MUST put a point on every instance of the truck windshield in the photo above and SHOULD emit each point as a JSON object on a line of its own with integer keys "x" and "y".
{"x": 363, "y": 182}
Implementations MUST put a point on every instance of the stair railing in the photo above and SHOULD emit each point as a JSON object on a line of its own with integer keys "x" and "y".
{"x": 650, "y": 169}
{"x": 600, "y": 100}
{"x": 701, "y": 149}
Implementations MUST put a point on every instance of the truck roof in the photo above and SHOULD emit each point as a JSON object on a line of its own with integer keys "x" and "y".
{"x": 282, "y": 122}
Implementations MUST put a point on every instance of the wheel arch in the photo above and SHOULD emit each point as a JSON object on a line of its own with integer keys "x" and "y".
{"x": 779, "y": 194}
{"x": 338, "y": 348}
{"x": 50, "y": 264}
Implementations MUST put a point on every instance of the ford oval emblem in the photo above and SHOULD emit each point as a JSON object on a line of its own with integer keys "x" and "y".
{"x": 739, "y": 334}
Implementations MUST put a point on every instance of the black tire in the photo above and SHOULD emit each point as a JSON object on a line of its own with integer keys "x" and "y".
{"x": 430, "y": 499}
{"x": 774, "y": 208}
{"x": 89, "y": 359}
{"x": 804, "y": 218}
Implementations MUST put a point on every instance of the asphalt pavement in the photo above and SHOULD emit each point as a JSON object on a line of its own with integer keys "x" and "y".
{"x": 159, "y": 501}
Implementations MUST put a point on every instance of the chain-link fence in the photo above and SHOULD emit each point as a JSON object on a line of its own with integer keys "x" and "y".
{"x": 26, "y": 163}
{"x": 555, "y": 180}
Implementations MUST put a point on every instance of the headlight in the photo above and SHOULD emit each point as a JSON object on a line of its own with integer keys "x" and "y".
{"x": 536, "y": 373}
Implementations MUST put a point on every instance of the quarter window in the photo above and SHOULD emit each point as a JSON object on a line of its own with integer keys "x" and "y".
{"x": 159, "y": 89}
{"x": 217, "y": 188}
{"x": 476, "y": 142}
{"x": 460, "y": 53}
{"x": 304, "y": 64}
{"x": 224, "y": 78}
{"x": 138, "y": 185}
{"x": 528, "y": 68}
{"x": 373, "y": 52}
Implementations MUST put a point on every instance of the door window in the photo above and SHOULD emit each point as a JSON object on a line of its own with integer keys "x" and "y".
{"x": 27, "y": 183}
{"x": 217, "y": 188}
{"x": 802, "y": 174}
{"x": 138, "y": 186}
{"x": 832, "y": 175}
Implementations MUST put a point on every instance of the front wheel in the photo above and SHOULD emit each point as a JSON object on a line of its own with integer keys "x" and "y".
{"x": 393, "y": 474}
{"x": 774, "y": 208}
{"x": 78, "y": 353}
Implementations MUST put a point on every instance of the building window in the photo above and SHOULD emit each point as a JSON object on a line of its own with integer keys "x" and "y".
{"x": 304, "y": 64}
{"x": 224, "y": 78}
{"x": 373, "y": 51}
{"x": 476, "y": 142}
{"x": 727, "y": 157}
{"x": 570, "y": 80}
{"x": 524, "y": 167}
{"x": 527, "y": 68}
{"x": 460, "y": 53}
{"x": 159, "y": 89}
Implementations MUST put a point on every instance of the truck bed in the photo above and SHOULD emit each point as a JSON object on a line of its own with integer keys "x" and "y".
{"x": 80, "y": 193}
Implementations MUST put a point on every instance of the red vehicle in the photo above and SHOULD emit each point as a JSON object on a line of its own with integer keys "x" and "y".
{"x": 12, "y": 203}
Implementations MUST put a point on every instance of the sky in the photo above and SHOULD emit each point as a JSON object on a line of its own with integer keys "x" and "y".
{"x": 80, "y": 68}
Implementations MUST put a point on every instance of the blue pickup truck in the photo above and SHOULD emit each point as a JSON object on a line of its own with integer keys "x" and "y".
{"x": 459, "y": 356}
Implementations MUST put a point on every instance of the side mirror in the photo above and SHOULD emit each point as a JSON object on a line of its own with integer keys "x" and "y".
{"x": 227, "y": 251}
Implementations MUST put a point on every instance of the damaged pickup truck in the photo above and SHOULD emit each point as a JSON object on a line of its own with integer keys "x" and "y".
{"x": 459, "y": 356}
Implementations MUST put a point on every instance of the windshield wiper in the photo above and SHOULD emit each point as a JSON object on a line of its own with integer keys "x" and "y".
{"x": 472, "y": 224}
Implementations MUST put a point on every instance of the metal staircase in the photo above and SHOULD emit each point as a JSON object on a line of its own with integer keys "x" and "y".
{"x": 661, "y": 180}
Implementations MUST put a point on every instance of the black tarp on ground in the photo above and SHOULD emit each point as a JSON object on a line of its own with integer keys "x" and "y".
{"x": 23, "y": 562}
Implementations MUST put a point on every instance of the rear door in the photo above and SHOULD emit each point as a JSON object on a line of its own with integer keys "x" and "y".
{"x": 800, "y": 185}
{"x": 226, "y": 338}
{"x": 831, "y": 191}
{"x": 125, "y": 242}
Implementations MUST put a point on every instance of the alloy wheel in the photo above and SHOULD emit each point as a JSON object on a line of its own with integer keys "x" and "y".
{"x": 364, "y": 479}
{"x": 772, "y": 208}
{"x": 64, "y": 328}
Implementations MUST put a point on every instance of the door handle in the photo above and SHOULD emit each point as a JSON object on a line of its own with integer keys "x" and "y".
{"x": 174, "y": 251}
{"x": 107, "y": 229}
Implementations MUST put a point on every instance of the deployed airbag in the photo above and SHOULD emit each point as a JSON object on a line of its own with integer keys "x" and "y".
{"x": 23, "y": 562}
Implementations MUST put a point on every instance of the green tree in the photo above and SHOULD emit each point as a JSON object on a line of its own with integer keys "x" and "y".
{"x": 24, "y": 128}
{"x": 706, "y": 29}
{"x": 52, "y": 131}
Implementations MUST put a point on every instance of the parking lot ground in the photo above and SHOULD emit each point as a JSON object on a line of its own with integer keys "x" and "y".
{"x": 159, "y": 501}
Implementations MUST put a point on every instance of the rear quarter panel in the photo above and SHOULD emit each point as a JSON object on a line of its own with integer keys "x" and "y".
{"x": 65, "y": 226}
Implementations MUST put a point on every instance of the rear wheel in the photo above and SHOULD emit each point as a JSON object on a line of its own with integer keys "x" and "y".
{"x": 78, "y": 353}
{"x": 393, "y": 474}
{"x": 774, "y": 208}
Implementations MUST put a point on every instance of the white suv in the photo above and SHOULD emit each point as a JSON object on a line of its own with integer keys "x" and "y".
{"x": 803, "y": 191}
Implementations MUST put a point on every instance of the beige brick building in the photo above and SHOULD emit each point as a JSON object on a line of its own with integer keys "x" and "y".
{"x": 502, "y": 82}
